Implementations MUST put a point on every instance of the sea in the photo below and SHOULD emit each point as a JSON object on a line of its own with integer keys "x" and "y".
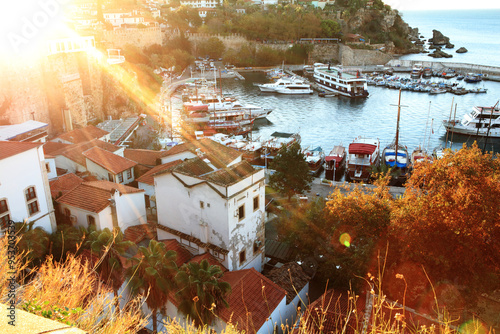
{"x": 327, "y": 122}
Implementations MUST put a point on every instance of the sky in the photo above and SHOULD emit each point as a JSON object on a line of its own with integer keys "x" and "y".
{"x": 402, "y": 5}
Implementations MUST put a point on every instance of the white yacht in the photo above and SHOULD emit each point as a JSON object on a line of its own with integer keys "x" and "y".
{"x": 287, "y": 85}
{"x": 337, "y": 80}
{"x": 481, "y": 122}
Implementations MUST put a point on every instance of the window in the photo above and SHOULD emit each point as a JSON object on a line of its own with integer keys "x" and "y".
{"x": 256, "y": 203}
{"x": 241, "y": 212}
{"x": 67, "y": 212}
{"x": 202, "y": 205}
{"x": 30, "y": 193}
{"x": 31, "y": 201}
{"x": 129, "y": 173}
{"x": 91, "y": 222}
{"x": 120, "y": 178}
{"x": 256, "y": 246}
{"x": 4, "y": 213}
{"x": 110, "y": 177}
{"x": 243, "y": 257}
{"x": 47, "y": 166}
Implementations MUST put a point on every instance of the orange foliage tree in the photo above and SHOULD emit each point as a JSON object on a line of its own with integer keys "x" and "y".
{"x": 344, "y": 234}
{"x": 449, "y": 219}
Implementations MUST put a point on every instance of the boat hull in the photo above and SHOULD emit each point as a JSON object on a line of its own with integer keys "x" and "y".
{"x": 342, "y": 93}
{"x": 461, "y": 130}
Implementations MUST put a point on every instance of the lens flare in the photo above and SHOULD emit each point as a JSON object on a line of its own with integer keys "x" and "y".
{"x": 345, "y": 239}
{"x": 473, "y": 326}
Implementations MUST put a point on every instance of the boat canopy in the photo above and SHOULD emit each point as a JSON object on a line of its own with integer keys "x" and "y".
{"x": 333, "y": 158}
{"x": 361, "y": 148}
{"x": 401, "y": 163}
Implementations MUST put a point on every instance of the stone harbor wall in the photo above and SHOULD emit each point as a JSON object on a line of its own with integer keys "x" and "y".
{"x": 358, "y": 57}
{"x": 138, "y": 37}
{"x": 233, "y": 41}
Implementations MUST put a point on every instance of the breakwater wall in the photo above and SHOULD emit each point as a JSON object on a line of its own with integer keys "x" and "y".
{"x": 437, "y": 66}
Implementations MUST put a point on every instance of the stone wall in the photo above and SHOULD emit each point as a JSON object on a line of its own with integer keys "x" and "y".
{"x": 139, "y": 37}
{"x": 22, "y": 94}
{"x": 358, "y": 57}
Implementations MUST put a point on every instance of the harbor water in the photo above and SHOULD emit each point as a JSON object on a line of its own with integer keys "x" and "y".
{"x": 327, "y": 122}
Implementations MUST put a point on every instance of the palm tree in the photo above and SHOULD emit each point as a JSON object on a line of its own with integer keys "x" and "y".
{"x": 66, "y": 240}
{"x": 33, "y": 241}
{"x": 109, "y": 246}
{"x": 200, "y": 290}
{"x": 152, "y": 275}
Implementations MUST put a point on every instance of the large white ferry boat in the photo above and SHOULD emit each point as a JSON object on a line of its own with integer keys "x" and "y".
{"x": 335, "y": 79}
{"x": 481, "y": 122}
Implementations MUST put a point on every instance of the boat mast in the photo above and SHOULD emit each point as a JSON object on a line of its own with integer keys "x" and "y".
{"x": 449, "y": 120}
{"x": 489, "y": 127}
{"x": 397, "y": 131}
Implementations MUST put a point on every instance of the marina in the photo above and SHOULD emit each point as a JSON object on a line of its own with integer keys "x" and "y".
{"x": 329, "y": 122}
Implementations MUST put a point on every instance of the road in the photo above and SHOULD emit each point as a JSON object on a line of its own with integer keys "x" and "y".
{"x": 324, "y": 189}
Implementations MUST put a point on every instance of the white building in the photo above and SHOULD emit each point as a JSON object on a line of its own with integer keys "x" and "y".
{"x": 24, "y": 185}
{"x": 108, "y": 166}
{"x": 202, "y": 3}
{"x": 147, "y": 182}
{"x": 104, "y": 204}
{"x": 213, "y": 203}
{"x": 32, "y": 131}
{"x": 71, "y": 158}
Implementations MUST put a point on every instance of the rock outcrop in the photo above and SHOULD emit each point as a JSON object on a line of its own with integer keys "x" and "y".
{"x": 438, "y": 38}
{"x": 462, "y": 50}
{"x": 438, "y": 53}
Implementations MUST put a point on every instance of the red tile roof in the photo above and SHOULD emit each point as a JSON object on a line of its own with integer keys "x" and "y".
{"x": 183, "y": 255}
{"x": 85, "y": 134}
{"x": 212, "y": 260}
{"x": 252, "y": 300}
{"x": 94, "y": 196}
{"x": 148, "y": 177}
{"x": 108, "y": 186}
{"x": 139, "y": 233}
{"x": 109, "y": 161}
{"x": 143, "y": 157}
{"x": 51, "y": 146}
{"x": 75, "y": 152}
{"x": 219, "y": 155}
{"x": 63, "y": 184}
{"x": 10, "y": 148}
{"x": 290, "y": 277}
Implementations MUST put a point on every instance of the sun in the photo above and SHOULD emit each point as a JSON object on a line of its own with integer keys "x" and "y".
{"x": 26, "y": 25}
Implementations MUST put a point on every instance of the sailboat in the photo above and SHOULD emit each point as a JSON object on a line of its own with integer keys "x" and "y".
{"x": 395, "y": 156}
{"x": 420, "y": 153}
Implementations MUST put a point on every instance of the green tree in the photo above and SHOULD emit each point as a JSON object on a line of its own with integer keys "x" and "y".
{"x": 34, "y": 242}
{"x": 108, "y": 246}
{"x": 330, "y": 28}
{"x": 201, "y": 291}
{"x": 152, "y": 275}
{"x": 291, "y": 174}
{"x": 212, "y": 47}
{"x": 67, "y": 240}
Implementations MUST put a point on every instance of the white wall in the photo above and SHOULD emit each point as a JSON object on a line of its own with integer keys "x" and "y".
{"x": 103, "y": 219}
{"x": 180, "y": 156}
{"x": 216, "y": 222}
{"x": 70, "y": 165}
{"x": 130, "y": 209}
{"x": 52, "y": 172}
{"x": 102, "y": 173}
{"x": 17, "y": 173}
{"x": 148, "y": 190}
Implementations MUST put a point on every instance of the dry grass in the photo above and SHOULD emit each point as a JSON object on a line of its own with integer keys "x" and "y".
{"x": 70, "y": 292}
